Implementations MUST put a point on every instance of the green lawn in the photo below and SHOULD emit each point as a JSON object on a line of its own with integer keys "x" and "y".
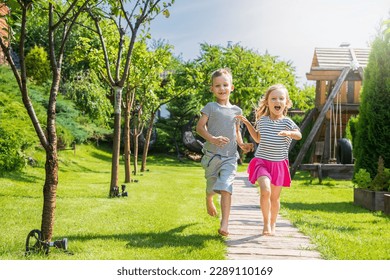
{"x": 164, "y": 216}
{"x": 340, "y": 229}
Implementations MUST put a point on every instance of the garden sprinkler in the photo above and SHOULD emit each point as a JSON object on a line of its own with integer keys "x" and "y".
{"x": 116, "y": 191}
{"x": 124, "y": 193}
{"x": 34, "y": 243}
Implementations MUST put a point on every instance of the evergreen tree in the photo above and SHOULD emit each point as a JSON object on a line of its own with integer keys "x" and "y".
{"x": 373, "y": 127}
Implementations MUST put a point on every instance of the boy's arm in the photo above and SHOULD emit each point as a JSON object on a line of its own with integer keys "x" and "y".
{"x": 201, "y": 129}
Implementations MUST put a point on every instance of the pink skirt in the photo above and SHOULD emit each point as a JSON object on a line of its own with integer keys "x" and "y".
{"x": 277, "y": 171}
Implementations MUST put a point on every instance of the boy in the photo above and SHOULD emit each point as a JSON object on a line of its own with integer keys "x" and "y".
{"x": 219, "y": 127}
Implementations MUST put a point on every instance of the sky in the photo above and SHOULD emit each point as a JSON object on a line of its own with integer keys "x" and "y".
{"x": 287, "y": 29}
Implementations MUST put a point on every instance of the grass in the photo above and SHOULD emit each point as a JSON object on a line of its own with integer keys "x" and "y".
{"x": 164, "y": 216}
{"x": 340, "y": 229}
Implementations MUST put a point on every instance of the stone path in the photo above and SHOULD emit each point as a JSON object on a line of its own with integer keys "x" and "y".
{"x": 245, "y": 241}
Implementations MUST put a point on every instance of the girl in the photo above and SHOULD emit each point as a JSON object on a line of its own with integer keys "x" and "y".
{"x": 270, "y": 167}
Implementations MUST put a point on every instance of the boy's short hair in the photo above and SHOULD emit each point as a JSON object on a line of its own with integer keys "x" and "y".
{"x": 222, "y": 71}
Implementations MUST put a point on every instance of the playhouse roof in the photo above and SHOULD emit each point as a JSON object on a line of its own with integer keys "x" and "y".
{"x": 328, "y": 63}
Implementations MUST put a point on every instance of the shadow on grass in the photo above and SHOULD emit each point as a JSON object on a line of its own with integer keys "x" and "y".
{"x": 101, "y": 156}
{"x": 23, "y": 177}
{"x": 158, "y": 159}
{"x": 171, "y": 160}
{"x": 170, "y": 238}
{"x": 331, "y": 207}
{"x": 75, "y": 167}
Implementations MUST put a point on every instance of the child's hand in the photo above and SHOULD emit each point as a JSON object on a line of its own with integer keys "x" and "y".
{"x": 220, "y": 141}
{"x": 242, "y": 118}
{"x": 294, "y": 134}
{"x": 247, "y": 147}
{"x": 285, "y": 133}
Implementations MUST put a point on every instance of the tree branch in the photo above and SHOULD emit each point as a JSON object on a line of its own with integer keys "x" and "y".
{"x": 106, "y": 60}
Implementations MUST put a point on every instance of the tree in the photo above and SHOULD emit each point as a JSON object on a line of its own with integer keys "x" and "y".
{"x": 135, "y": 16}
{"x": 60, "y": 20}
{"x": 253, "y": 73}
{"x": 154, "y": 71}
{"x": 373, "y": 130}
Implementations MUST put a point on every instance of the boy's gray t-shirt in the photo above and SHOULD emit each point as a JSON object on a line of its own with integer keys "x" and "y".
{"x": 221, "y": 122}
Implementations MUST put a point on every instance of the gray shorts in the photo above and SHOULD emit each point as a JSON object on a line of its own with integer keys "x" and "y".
{"x": 220, "y": 172}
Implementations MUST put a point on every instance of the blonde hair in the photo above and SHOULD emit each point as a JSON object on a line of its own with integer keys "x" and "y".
{"x": 220, "y": 72}
{"x": 262, "y": 109}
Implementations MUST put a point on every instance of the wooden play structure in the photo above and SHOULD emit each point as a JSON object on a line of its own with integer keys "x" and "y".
{"x": 338, "y": 73}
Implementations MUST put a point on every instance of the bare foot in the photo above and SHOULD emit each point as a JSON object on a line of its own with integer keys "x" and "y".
{"x": 223, "y": 232}
{"x": 266, "y": 230}
{"x": 223, "y": 228}
{"x": 211, "y": 210}
{"x": 273, "y": 229}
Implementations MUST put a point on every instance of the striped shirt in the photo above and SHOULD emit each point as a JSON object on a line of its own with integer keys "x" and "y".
{"x": 273, "y": 147}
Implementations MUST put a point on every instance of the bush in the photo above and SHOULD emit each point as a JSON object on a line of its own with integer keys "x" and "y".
{"x": 15, "y": 136}
{"x": 382, "y": 178}
{"x": 37, "y": 65}
{"x": 362, "y": 179}
{"x": 373, "y": 133}
{"x": 381, "y": 182}
{"x": 11, "y": 154}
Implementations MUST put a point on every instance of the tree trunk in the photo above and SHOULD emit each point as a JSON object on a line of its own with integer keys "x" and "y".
{"x": 135, "y": 150}
{"x": 147, "y": 141}
{"x": 127, "y": 143}
{"x": 116, "y": 141}
{"x": 49, "y": 193}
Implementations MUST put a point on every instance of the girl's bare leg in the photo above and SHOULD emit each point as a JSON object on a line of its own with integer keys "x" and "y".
{"x": 265, "y": 202}
{"x": 275, "y": 206}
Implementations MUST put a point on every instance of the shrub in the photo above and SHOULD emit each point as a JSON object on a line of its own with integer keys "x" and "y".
{"x": 373, "y": 133}
{"x": 381, "y": 181}
{"x": 362, "y": 179}
{"x": 382, "y": 178}
{"x": 37, "y": 65}
{"x": 16, "y": 134}
{"x": 11, "y": 154}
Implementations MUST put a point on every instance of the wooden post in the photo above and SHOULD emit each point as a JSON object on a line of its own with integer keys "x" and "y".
{"x": 319, "y": 121}
{"x": 304, "y": 124}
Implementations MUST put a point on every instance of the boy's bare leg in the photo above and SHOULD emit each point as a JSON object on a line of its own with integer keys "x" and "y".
{"x": 275, "y": 206}
{"x": 226, "y": 201}
{"x": 211, "y": 209}
{"x": 265, "y": 202}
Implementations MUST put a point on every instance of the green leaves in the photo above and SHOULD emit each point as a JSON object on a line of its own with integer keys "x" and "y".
{"x": 373, "y": 131}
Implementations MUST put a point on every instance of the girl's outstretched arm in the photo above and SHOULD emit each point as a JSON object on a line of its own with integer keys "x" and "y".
{"x": 294, "y": 134}
{"x": 245, "y": 147}
{"x": 252, "y": 131}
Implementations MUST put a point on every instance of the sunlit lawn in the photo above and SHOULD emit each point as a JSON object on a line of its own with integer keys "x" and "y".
{"x": 164, "y": 215}
{"x": 340, "y": 229}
